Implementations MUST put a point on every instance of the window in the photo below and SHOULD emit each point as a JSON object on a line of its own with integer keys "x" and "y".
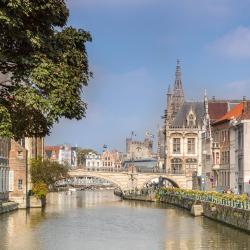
{"x": 176, "y": 145}
{"x": 191, "y": 120}
{"x": 20, "y": 184}
{"x": 191, "y": 146}
{"x": 20, "y": 154}
{"x": 176, "y": 166}
{"x": 217, "y": 158}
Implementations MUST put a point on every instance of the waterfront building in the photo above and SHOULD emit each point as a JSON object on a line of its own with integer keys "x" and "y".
{"x": 185, "y": 125}
{"x": 93, "y": 161}
{"x": 107, "y": 159}
{"x": 18, "y": 173}
{"x": 226, "y": 163}
{"x": 4, "y": 168}
{"x": 240, "y": 151}
{"x": 35, "y": 149}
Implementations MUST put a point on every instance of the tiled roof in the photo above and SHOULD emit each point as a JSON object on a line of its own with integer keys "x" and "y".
{"x": 52, "y": 148}
{"x": 234, "y": 113}
{"x": 246, "y": 114}
{"x": 196, "y": 107}
{"x": 217, "y": 109}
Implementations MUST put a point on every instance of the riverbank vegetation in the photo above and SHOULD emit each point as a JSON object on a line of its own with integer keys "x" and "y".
{"x": 44, "y": 174}
{"x": 233, "y": 200}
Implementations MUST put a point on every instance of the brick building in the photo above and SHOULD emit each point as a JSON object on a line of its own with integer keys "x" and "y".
{"x": 18, "y": 174}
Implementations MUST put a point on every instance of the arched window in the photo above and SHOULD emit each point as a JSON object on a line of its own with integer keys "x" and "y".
{"x": 176, "y": 166}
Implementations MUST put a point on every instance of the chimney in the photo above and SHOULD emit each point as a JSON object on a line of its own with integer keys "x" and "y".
{"x": 213, "y": 98}
{"x": 245, "y": 106}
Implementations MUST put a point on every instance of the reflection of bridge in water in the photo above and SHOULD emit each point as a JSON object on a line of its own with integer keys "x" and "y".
{"x": 128, "y": 180}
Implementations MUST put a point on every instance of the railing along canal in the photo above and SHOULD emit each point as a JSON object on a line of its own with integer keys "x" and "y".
{"x": 231, "y": 200}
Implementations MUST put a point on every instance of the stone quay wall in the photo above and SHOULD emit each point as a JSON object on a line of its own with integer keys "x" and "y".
{"x": 6, "y": 207}
{"x": 235, "y": 217}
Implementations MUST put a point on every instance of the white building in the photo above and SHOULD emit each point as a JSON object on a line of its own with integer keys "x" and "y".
{"x": 4, "y": 168}
{"x": 240, "y": 152}
{"x": 68, "y": 155}
{"x": 93, "y": 161}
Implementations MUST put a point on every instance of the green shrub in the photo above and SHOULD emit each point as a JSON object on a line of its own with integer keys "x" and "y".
{"x": 40, "y": 190}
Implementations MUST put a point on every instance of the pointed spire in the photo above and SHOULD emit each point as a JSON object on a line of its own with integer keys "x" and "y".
{"x": 178, "y": 92}
{"x": 169, "y": 90}
{"x": 178, "y": 74}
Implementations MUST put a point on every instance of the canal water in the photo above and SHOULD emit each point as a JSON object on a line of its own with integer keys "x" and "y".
{"x": 94, "y": 220}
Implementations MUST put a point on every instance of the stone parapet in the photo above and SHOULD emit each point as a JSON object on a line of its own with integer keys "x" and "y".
{"x": 6, "y": 207}
{"x": 239, "y": 218}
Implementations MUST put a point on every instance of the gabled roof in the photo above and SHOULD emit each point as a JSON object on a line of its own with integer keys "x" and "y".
{"x": 217, "y": 109}
{"x": 180, "y": 119}
{"x": 234, "y": 113}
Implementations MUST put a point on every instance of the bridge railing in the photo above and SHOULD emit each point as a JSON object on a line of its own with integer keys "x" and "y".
{"x": 232, "y": 200}
{"x": 138, "y": 169}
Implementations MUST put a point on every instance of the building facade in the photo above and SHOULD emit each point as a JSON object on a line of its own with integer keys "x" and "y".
{"x": 18, "y": 190}
{"x": 64, "y": 154}
{"x": 4, "y": 168}
{"x": 184, "y": 124}
{"x": 93, "y": 161}
{"x": 139, "y": 149}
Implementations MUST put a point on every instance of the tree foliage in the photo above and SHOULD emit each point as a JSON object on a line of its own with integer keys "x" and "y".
{"x": 40, "y": 190}
{"x": 44, "y": 65}
{"x": 47, "y": 172}
{"x": 81, "y": 154}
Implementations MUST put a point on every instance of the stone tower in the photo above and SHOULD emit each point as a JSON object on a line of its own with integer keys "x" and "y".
{"x": 178, "y": 92}
{"x": 175, "y": 97}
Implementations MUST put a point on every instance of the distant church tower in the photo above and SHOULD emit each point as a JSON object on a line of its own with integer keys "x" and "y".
{"x": 175, "y": 97}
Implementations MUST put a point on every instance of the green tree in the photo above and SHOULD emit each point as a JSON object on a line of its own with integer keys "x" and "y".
{"x": 48, "y": 172}
{"x": 81, "y": 154}
{"x": 44, "y": 67}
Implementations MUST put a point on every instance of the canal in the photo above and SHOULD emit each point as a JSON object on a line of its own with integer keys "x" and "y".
{"x": 94, "y": 220}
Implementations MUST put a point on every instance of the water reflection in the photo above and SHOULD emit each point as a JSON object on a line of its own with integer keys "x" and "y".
{"x": 99, "y": 220}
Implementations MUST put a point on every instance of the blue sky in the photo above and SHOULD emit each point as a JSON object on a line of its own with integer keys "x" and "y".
{"x": 133, "y": 58}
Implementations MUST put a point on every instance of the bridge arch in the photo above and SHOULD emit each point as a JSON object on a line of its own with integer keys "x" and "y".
{"x": 173, "y": 182}
{"x": 98, "y": 176}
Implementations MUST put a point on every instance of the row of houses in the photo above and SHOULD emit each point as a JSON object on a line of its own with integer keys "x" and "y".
{"x": 208, "y": 140}
{"x": 64, "y": 154}
{"x": 226, "y": 151}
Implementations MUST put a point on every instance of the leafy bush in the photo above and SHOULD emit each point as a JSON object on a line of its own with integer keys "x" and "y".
{"x": 40, "y": 190}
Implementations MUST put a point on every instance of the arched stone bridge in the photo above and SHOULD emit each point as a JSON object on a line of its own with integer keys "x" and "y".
{"x": 131, "y": 180}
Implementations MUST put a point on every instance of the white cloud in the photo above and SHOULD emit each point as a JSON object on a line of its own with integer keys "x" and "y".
{"x": 235, "y": 44}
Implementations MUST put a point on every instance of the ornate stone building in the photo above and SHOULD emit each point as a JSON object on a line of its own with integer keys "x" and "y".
{"x": 184, "y": 124}
{"x": 139, "y": 149}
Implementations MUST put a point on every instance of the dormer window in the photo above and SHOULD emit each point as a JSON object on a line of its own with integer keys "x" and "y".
{"x": 191, "y": 119}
